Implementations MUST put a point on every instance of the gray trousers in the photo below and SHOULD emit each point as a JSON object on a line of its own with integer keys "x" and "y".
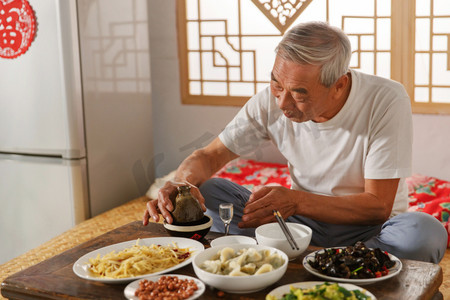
{"x": 410, "y": 235}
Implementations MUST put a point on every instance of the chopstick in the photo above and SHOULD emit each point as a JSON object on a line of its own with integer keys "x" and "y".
{"x": 285, "y": 229}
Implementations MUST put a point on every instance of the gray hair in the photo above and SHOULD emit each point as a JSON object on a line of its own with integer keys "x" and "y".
{"x": 318, "y": 43}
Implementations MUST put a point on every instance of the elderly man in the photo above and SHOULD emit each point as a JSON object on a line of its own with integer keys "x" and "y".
{"x": 347, "y": 137}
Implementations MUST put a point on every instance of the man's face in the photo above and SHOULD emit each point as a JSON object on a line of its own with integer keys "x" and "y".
{"x": 299, "y": 93}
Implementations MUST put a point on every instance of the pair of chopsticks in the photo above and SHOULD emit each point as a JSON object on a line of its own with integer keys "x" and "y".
{"x": 285, "y": 229}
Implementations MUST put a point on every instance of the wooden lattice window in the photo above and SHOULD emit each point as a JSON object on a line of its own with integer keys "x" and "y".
{"x": 431, "y": 58}
{"x": 227, "y": 47}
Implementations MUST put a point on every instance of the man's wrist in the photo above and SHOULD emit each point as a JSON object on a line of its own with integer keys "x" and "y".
{"x": 299, "y": 202}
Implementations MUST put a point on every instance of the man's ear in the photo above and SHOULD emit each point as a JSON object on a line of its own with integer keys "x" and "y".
{"x": 341, "y": 85}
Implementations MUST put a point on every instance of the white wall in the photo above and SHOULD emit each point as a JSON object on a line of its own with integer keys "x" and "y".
{"x": 431, "y": 147}
{"x": 177, "y": 129}
{"x": 176, "y": 125}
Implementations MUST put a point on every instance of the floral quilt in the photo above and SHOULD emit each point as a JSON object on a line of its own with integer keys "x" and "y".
{"x": 426, "y": 194}
{"x": 430, "y": 195}
{"x": 250, "y": 173}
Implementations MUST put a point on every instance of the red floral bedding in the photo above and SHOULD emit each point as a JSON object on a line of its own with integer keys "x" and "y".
{"x": 430, "y": 195}
{"x": 426, "y": 194}
{"x": 250, "y": 173}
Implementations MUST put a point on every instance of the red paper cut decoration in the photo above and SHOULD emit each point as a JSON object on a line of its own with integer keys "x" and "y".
{"x": 17, "y": 27}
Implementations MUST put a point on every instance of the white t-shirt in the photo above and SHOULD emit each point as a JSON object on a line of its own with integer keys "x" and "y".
{"x": 370, "y": 138}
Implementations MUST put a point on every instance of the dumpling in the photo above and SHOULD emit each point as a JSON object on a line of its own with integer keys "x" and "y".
{"x": 275, "y": 260}
{"x": 249, "y": 268}
{"x": 238, "y": 261}
{"x": 264, "y": 269}
{"x": 226, "y": 253}
{"x": 237, "y": 272}
{"x": 234, "y": 263}
{"x": 212, "y": 266}
{"x": 253, "y": 255}
{"x": 266, "y": 252}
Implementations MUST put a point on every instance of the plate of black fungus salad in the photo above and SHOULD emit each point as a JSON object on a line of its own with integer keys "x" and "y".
{"x": 355, "y": 264}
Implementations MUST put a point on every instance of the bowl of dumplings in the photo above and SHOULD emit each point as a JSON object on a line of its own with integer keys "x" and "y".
{"x": 240, "y": 268}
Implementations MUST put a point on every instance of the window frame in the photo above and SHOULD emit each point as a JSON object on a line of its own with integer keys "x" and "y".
{"x": 403, "y": 20}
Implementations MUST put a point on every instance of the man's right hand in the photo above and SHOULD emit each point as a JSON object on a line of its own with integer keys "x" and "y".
{"x": 163, "y": 205}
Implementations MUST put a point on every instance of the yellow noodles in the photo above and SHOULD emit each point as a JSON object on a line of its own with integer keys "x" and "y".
{"x": 138, "y": 260}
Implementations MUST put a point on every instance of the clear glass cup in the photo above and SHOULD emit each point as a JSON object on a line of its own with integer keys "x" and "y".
{"x": 226, "y": 215}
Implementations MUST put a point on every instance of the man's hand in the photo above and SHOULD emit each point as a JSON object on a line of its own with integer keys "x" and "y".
{"x": 371, "y": 207}
{"x": 263, "y": 200}
{"x": 163, "y": 205}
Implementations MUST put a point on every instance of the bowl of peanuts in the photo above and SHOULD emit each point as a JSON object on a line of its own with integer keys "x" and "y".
{"x": 165, "y": 286}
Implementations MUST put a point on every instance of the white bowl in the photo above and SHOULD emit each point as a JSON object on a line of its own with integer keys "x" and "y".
{"x": 238, "y": 284}
{"x": 270, "y": 234}
{"x": 233, "y": 239}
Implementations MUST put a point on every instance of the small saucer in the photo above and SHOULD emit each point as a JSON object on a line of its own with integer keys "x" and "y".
{"x": 233, "y": 239}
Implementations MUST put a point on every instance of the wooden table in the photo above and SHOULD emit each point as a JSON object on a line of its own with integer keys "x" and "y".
{"x": 54, "y": 278}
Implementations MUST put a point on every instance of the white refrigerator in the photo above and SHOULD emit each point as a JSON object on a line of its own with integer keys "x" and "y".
{"x": 74, "y": 142}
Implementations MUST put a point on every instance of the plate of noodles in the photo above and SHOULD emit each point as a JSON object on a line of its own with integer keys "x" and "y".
{"x": 131, "y": 260}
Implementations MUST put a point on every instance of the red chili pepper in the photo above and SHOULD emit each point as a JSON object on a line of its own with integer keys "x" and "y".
{"x": 184, "y": 255}
{"x": 378, "y": 274}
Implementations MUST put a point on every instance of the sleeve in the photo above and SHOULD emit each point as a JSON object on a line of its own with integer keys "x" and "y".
{"x": 390, "y": 139}
{"x": 248, "y": 129}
